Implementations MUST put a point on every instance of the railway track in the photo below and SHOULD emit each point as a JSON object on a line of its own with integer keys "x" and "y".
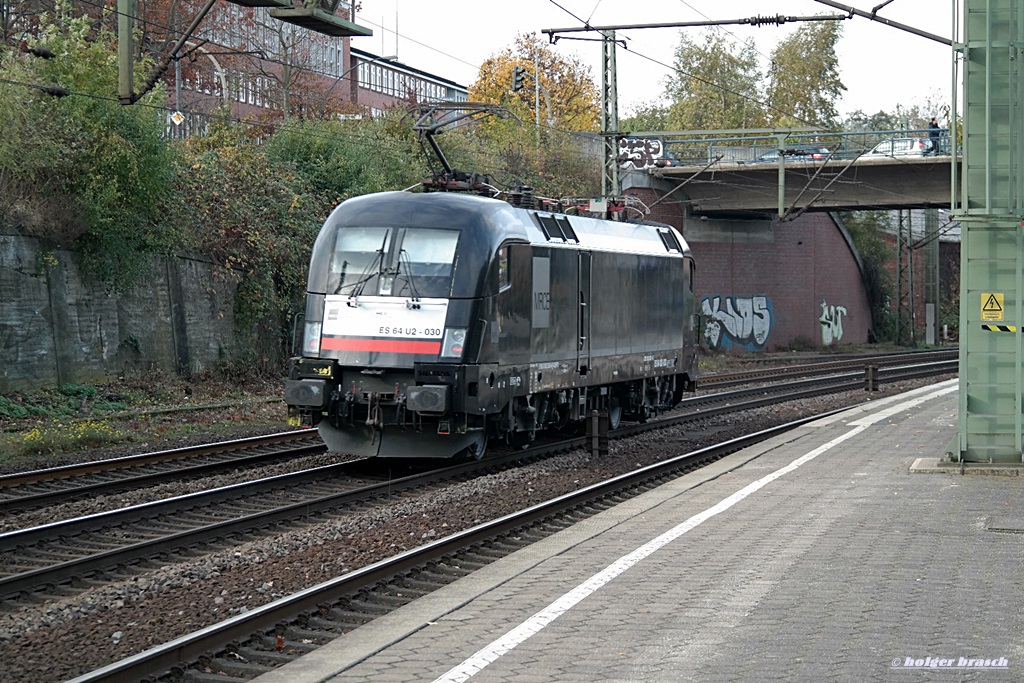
{"x": 50, "y": 487}
{"x": 39, "y": 488}
{"x": 73, "y": 552}
{"x": 857, "y": 362}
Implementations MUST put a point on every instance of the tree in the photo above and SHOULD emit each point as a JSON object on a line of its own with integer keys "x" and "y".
{"x": 81, "y": 169}
{"x": 916, "y": 116}
{"x": 552, "y": 160}
{"x": 339, "y": 159}
{"x": 569, "y": 98}
{"x": 18, "y": 17}
{"x": 866, "y": 228}
{"x": 291, "y": 50}
{"x": 858, "y": 121}
{"x": 648, "y": 116}
{"x": 803, "y": 79}
{"x": 715, "y": 85}
{"x": 257, "y": 218}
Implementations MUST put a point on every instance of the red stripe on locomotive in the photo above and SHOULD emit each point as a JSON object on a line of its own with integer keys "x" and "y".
{"x": 381, "y": 345}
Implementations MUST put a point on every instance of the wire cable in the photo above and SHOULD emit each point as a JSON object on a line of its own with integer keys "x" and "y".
{"x": 717, "y": 86}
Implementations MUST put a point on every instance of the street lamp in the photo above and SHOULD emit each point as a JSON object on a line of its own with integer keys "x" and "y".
{"x": 327, "y": 95}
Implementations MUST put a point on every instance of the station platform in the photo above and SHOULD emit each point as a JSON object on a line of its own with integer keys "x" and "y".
{"x": 820, "y": 555}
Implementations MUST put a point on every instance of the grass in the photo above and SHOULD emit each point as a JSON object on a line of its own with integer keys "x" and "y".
{"x": 41, "y": 426}
{"x": 63, "y": 401}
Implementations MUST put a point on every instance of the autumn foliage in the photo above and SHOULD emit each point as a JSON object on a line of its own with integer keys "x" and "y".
{"x": 569, "y": 98}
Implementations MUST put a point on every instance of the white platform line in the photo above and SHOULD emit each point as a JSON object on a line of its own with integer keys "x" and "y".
{"x": 476, "y": 663}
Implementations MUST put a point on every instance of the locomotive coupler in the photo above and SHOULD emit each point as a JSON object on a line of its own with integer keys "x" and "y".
{"x": 373, "y": 412}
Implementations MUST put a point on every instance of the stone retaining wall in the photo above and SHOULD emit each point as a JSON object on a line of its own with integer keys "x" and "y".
{"x": 57, "y": 327}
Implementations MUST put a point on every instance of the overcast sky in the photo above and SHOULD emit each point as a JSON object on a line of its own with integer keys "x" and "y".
{"x": 880, "y": 66}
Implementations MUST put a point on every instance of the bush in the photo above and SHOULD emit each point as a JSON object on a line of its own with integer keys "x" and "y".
{"x": 79, "y": 391}
{"x": 82, "y": 171}
{"x": 9, "y": 408}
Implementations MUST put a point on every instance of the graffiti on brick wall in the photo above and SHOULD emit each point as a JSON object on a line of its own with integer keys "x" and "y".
{"x": 736, "y": 321}
{"x": 831, "y": 323}
{"x": 639, "y": 152}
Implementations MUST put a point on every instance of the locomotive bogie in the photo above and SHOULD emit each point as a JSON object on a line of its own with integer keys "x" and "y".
{"x": 435, "y": 322}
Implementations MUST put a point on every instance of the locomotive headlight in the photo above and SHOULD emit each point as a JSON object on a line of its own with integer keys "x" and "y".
{"x": 311, "y": 339}
{"x": 453, "y": 342}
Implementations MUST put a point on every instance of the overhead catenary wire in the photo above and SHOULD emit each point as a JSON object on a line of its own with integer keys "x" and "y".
{"x": 725, "y": 30}
{"x": 755, "y": 20}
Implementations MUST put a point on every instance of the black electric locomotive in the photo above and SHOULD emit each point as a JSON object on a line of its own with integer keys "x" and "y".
{"x": 437, "y": 321}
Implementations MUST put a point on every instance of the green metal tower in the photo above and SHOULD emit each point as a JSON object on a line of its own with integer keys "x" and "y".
{"x": 611, "y": 185}
{"x": 992, "y": 244}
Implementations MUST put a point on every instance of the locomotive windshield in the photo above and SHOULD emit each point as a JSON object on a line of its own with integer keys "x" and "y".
{"x": 406, "y": 262}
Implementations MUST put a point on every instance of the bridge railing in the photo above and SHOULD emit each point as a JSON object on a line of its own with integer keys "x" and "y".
{"x": 753, "y": 148}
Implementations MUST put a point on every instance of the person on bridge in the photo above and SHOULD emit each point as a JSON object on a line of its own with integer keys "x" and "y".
{"x": 933, "y": 136}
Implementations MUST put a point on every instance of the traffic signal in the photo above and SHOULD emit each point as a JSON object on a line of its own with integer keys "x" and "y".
{"x": 518, "y": 76}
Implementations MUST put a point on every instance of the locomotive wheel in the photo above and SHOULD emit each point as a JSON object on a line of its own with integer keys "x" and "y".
{"x": 475, "y": 451}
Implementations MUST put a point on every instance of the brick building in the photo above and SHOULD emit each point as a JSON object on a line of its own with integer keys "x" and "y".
{"x": 256, "y": 68}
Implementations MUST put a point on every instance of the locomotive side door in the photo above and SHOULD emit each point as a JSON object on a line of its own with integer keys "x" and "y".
{"x": 585, "y": 310}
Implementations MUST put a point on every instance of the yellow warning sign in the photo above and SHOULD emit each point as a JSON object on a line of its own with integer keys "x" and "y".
{"x": 992, "y": 306}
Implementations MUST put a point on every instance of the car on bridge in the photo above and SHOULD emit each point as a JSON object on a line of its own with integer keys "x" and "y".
{"x": 905, "y": 147}
{"x": 794, "y": 153}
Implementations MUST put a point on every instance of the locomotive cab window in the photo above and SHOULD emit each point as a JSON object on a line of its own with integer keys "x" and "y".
{"x": 413, "y": 262}
{"x": 426, "y": 263}
{"x": 356, "y": 263}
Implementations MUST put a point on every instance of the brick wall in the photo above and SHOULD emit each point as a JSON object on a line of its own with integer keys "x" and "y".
{"x": 766, "y": 285}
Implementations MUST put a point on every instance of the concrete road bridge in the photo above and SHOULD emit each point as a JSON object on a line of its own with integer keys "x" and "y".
{"x": 714, "y": 182}
{"x": 837, "y": 185}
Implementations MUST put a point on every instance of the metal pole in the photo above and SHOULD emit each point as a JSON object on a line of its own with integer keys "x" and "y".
{"x": 781, "y": 144}
{"x": 910, "y": 272}
{"x": 177, "y": 93}
{"x": 900, "y": 277}
{"x": 536, "y": 89}
{"x": 954, "y": 197}
{"x": 125, "y": 48}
